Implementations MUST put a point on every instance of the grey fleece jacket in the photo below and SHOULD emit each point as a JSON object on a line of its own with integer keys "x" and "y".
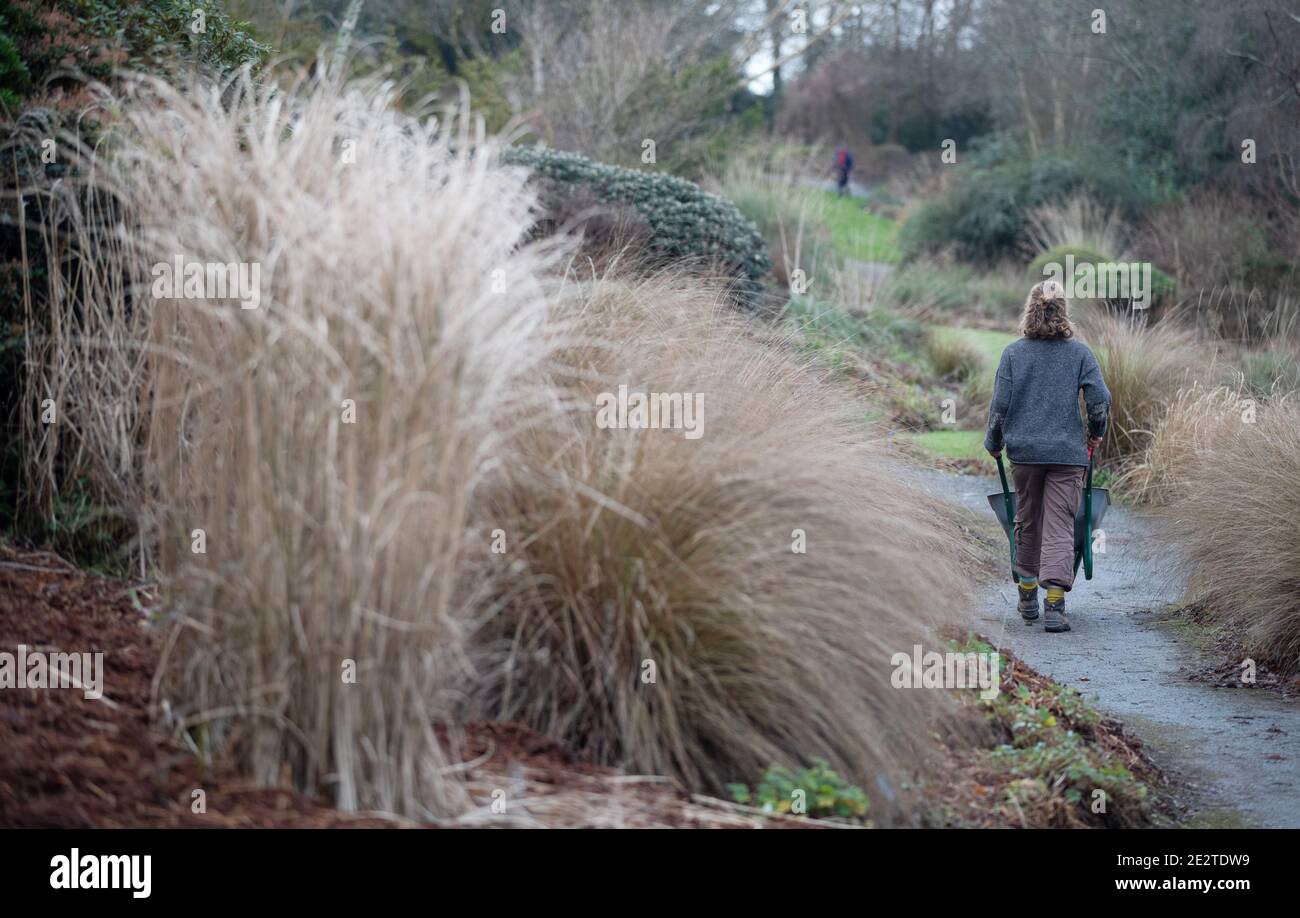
{"x": 1035, "y": 408}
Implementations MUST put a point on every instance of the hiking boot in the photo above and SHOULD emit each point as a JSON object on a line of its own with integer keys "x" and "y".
{"x": 1054, "y": 618}
{"x": 1028, "y": 604}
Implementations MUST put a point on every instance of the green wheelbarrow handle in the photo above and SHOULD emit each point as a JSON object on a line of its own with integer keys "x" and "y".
{"x": 1087, "y": 521}
{"x": 1011, "y": 514}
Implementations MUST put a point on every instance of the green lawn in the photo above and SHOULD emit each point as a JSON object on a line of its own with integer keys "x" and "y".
{"x": 859, "y": 234}
{"x": 953, "y": 444}
{"x": 988, "y": 343}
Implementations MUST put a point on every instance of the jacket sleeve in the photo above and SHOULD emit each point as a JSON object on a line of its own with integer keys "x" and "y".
{"x": 1095, "y": 395}
{"x": 998, "y": 407}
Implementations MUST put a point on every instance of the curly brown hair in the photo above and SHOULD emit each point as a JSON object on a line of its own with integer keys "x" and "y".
{"x": 1047, "y": 313}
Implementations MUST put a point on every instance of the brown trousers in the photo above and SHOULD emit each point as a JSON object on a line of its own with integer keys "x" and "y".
{"x": 1047, "y": 497}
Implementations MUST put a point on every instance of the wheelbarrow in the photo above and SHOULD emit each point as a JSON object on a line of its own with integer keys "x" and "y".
{"x": 1092, "y": 509}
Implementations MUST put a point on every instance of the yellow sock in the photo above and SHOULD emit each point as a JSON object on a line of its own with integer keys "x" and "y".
{"x": 1029, "y": 585}
{"x": 1055, "y": 594}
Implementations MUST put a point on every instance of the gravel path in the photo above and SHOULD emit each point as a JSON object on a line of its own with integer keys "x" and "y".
{"x": 1237, "y": 751}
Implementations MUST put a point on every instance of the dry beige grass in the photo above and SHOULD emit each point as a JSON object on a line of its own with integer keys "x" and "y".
{"x": 1079, "y": 221}
{"x": 645, "y": 548}
{"x": 83, "y": 416}
{"x": 329, "y": 442}
{"x": 1197, "y": 418}
{"x": 769, "y": 186}
{"x": 1235, "y": 512}
{"x": 403, "y": 390}
{"x": 1144, "y": 367}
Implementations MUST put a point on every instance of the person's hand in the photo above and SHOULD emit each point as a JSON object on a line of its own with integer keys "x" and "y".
{"x": 1094, "y": 442}
{"x": 995, "y": 453}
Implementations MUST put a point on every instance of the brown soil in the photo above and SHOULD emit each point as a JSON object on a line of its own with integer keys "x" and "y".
{"x": 69, "y": 761}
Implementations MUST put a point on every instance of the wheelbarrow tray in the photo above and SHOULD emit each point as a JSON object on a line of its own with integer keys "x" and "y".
{"x": 1100, "y": 503}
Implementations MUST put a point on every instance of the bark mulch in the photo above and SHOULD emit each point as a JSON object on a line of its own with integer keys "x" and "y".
{"x": 67, "y": 761}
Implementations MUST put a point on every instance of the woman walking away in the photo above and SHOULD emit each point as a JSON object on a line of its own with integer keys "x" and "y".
{"x": 1035, "y": 414}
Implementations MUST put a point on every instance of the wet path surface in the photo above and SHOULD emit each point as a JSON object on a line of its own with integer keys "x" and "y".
{"x": 1237, "y": 750}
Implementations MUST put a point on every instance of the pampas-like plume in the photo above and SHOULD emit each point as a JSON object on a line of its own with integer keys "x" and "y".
{"x": 651, "y": 554}
{"x": 1235, "y": 513}
{"x": 313, "y": 459}
{"x": 1144, "y": 366}
{"x": 324, "y": 474}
